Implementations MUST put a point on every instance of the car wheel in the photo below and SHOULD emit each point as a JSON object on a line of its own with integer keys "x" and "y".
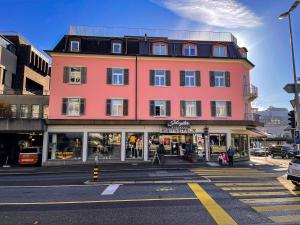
{"x": 296, "y": 183}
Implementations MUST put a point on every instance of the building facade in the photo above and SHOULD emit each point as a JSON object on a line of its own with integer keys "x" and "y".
{"x": 120, "y": 97}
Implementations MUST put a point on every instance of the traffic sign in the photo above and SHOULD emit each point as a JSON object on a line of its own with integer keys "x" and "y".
{"x": 290, "y": 88}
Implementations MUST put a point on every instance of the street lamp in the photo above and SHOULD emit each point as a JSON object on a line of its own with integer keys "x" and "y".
{"x": 281, "y": 17}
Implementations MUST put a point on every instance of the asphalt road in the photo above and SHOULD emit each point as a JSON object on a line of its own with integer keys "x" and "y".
{"x": 248, "y": 195}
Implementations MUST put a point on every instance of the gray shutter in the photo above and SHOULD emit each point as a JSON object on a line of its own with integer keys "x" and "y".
{"x": 227, "y": 79}
{"x": 198, "y": 78}
{"x": 82, "y": 106}
{"x": 152, "y": 113}
{"x": 125, "y": 107}
{"x": 64, "y": 106}
{"x": 212, "y": 78}
{"x": 151, "y": 77}
{"x": 228, "y": 106}
{"x": 213, "y": 108}
{"x": 198, "y": 108}
{"x": 83, "y": 75}
{"x": 168, "y": 78}
{"x": 109, "y": 76}
{"x": 182, "y": 78}
{"x": 66, "y": 74}
{"x": 168, "y": 110}
{"x": 126, "y": 76}
{"x": 108, "y": 107}
{"x": 182, "y": 108}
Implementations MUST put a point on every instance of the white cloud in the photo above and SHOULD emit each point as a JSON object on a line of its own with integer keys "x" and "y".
{"x": 219, "y": 13}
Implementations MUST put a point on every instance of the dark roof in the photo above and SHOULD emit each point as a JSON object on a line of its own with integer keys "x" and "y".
{"x": 142, "y": 45}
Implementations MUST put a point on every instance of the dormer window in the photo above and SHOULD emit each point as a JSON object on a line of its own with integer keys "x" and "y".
{"x": 189, "y": 50}
{"x": 74, "y": 46}
{"x": 219, "y": 51}
{"x": 160, "y": 49}
{"x": 117, "y": 48}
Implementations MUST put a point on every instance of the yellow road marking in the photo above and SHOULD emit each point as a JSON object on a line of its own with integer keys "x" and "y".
{"x": 276, "y": 208}
{"x": 285, "y": 219}
{"x": 247, "y": 184}
{"x": 239, "y": 194}
{"x": 216, "y": 211}
{"x": 96, "y": 201}
{"x": 270, "y": 200}
{"x": 251, "y": 188}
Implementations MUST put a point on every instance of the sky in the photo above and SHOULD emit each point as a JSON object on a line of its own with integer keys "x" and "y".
{"x": 253, "y": 22}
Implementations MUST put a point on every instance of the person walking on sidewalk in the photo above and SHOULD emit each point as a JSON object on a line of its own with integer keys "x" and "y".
{"x": 230, "y": 154}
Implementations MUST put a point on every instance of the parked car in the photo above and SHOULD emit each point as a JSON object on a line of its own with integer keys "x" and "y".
{"x": 294, "y": 171}
{"x": 260, "y": 152}
{"x": 283, "y": 151}
{"x": 30, "y": 156}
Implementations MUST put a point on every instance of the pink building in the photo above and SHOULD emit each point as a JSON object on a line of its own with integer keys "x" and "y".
{"x": 119, "y": 97}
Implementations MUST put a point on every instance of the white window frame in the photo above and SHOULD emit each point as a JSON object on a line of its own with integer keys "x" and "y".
{"x": 73, "y": 112}
{"x": 35, "y": 115}
{"x": 75, "y": 75}
{"x": 13, "y": 109}
{"x": 158, "y": 49}
{"x": 218, "y": 52}
{"x": 189, "y": 47}
{"x": 220, "y": 79}
{"x": 27, "y": 113}
{"x": 159, "y": 77}
{"x": 162, "y": 104}
{"x": 74, "y": 49}
{"x": 221, "y": 109}
{"x": 190, "y": 108}
{"x": 114, "y": 50}
{"x": 119, "y": 76}
{"x": 188, "y": 78}
{"x": 116, "y": 107}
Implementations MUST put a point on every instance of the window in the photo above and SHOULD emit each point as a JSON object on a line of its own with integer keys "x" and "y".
{"x": 116, "y": 107}
{"x": 4, "y": 76}
{"x": 74, "y": 46}
{"x": 160, "y": 49}
{"x": 45, "y": 111}
{"x": 73, "y": 107}
{"x": 75, "y": 75}
{"x": 190, "y": 109}
{"x": 189, "y": 79}
{"x": 13, "y": 110}
{"x": 219, "y": 79}
{"x": 221, "y": 110}
{"x": 160, "y": 77}
{"x": 117, "y": 76}
{"x": 35, "y": 111}
{"x": 160, "y": 108}
{"x": 117, "y": 48}
{"x": 24, "y": 111}
{"x": 217, "y": 143}
{"x": 219, "y": 51}
{"x": 189, "y": 50}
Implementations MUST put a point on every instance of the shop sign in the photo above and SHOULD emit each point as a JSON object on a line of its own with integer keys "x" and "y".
{"x": 181, "y": 124}
{"x": 180, "y": 131}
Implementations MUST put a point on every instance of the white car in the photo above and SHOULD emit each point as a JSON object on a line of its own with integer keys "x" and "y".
{"x": 294, "y": 171}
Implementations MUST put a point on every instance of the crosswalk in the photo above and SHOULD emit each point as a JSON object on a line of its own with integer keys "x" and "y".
{"x": 273, "y": 198}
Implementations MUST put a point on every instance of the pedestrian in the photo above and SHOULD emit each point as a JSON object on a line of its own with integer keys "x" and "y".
{"x": 220, "y": 159}
{"x": 224, "y": 158}
{"x": 161, "y": 152}
{"x": 230, "y": 154}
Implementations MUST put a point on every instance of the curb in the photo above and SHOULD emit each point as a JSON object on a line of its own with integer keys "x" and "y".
{"x": 91, "y": 183}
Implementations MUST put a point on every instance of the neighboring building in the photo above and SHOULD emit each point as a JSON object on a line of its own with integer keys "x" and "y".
{"x": 24, "y": 96}
{"x": 275, "y": 121}
{"x": 121, "y": 96}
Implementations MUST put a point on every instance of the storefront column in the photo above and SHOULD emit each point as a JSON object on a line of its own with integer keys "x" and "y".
{"x": 123, "y": 150}
{"x": 45, "y": 147}
{"x": 146, "y": 146}
{"x": 84, "y": 146}
{"x": 228, "y": 140}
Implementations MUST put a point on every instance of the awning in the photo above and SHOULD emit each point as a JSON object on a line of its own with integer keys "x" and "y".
{"x": 258, "y": 133}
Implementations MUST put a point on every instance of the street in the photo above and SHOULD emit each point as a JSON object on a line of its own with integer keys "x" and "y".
{"x": 258, "y": 194}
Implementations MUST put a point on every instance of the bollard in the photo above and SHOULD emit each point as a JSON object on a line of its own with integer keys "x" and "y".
{"x": 95, "y": 174}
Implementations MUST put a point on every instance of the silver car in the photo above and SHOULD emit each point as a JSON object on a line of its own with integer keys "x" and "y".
{"x": 294, "y": 171}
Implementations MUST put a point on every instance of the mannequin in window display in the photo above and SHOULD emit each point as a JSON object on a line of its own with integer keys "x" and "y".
{"x": 139, "y": 147}
{"x": 132, "y": 143}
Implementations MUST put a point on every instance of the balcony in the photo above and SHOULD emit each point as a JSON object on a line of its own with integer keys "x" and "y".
{"x": 252, "y": 116}
{"x": 250, "y": 92}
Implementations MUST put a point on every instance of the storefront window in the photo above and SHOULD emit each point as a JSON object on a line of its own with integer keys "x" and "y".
{"x": 217, "y": 143}
{"x": 240, "y": 143}
{"x": 65, "y": 146}
{"x": 153, "y": 144}
{"x": 104, "y": 145}
{"x": 134, "y": 145}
